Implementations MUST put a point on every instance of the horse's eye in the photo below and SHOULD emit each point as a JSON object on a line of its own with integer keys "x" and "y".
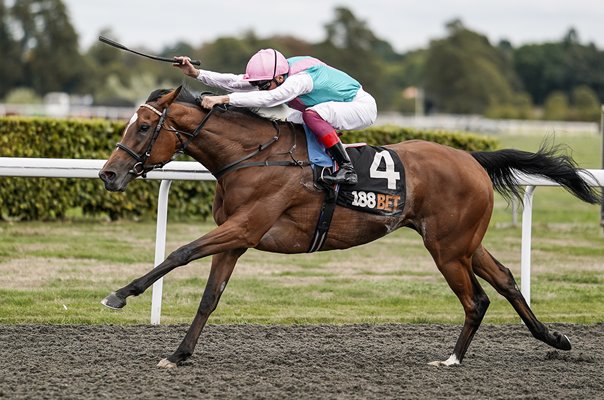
{"x": 143, "y": 128}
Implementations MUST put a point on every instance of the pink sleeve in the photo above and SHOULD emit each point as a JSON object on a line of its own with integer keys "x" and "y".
{"x": 293, "y": 87}
{"x": 228, "y": 82}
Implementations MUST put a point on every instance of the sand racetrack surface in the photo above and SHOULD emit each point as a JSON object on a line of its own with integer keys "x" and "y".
{"x": 297, "y": 362}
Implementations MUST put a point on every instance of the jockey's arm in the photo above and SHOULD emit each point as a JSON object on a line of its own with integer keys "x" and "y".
{"x": 294, "y": 86}
{"x": 228, "y": 82}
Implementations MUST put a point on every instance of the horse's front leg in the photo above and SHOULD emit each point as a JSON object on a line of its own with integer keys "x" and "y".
{"x": 229, "y": 236}
{"x": 222, "y": 267}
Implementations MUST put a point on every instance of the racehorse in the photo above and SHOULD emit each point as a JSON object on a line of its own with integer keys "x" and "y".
{"x": 265, "y": 199}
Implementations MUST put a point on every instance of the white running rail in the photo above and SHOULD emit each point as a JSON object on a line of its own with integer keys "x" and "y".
{"x": 191, "y": 170}
{"x": 531, "y": 182}
{"x": 67, "y": 168}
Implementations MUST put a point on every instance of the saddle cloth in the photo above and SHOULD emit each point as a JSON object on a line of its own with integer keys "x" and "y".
{"x": 381, "y": 186}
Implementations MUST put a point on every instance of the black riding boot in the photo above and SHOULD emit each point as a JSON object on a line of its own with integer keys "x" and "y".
{"x": 346, "y": 175}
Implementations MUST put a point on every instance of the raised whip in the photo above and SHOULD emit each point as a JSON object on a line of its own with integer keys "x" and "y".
{"x": 122, "y": 47}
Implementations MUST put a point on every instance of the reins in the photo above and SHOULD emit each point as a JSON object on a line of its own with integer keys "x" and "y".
{"x": 141, "y": 169}
{"x": 238, "y": 164}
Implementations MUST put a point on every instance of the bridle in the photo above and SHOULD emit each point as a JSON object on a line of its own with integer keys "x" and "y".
{"x": 141, "y": 168}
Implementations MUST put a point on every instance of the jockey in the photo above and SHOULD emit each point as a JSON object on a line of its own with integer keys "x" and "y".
{"x": 322, "y": 97}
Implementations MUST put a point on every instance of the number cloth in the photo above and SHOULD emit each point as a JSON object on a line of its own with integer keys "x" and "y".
{"x": 381, "y": 187}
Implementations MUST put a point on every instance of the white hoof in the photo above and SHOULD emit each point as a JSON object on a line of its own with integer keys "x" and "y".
{"x": 165, "y": 363}
{"x": 450, "y": 361}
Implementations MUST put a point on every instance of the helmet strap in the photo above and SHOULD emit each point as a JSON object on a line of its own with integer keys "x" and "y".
{"x": 275, "y": 67}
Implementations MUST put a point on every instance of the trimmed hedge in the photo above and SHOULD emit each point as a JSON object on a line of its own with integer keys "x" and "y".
{"x": 386, "y": 134}
{"x": 48, "y": 199}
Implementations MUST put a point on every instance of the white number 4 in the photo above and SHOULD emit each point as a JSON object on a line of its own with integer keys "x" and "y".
{"x": 389, "y": 173}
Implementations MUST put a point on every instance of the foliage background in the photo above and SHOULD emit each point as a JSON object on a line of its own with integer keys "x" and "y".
{"x": 460, "y": 73}
{"x": 47, "y": 199}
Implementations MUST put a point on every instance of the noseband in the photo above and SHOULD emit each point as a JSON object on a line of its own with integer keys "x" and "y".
{"x": 141, "y": 168}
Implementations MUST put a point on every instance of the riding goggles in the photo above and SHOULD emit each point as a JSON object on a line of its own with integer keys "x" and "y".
{"x": 262, "y": 85}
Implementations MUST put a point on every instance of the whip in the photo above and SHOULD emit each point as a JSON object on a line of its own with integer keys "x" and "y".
{"x": 122, "y": 47}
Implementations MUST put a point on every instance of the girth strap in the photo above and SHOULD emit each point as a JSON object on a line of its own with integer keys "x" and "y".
{"x": 324, "y": 221}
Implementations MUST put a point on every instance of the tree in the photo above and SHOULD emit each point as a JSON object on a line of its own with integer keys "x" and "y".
{"x": 560, "y": 66}
{"x": 49, "y": 44}
{"x": 464, "y": 73}
{"x": 556, "y": 106}
{"x": 348, "y": 32}
{"x": 181, "y": 48}
{"x": 11, "y": 66}
{"x": 115, "y": 93}
{"x": 105, "y": 57}
{"x": 227, "y": 54}
{"x": 290, "y": 46}
{"x": 105, "y": 61}
{"x": 521, "y": 107}
{"x": 22, "y": 96}
{"x": 585, "y": 104}
{"x": 352, "y": 47}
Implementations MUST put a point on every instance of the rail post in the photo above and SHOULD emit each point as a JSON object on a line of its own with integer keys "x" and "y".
{"x": 160, "y": 248}
{"x": 525, "y": 249}
{"x": 602, "y": 138}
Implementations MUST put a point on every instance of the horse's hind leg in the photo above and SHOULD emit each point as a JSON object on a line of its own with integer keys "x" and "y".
{"x": 500, "y": 277}
{"x": 222, "y": 267}
{"x": 474, "y": 300}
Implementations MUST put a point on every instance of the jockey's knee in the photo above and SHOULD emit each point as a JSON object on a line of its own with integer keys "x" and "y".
{"x": 316, "y": 123}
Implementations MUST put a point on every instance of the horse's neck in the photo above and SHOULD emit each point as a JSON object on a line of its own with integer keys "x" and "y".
{"x": 226, "y": 138}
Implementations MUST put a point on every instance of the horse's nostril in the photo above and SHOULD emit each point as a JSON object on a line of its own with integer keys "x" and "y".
{"x": 107, "y": 176}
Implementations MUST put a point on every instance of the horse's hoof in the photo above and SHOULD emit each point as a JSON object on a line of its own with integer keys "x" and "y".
{"x": 562, "y": 341}
{"x": 165, "y": 363}
{"x": 113, "y": 301}
{"x": 450, "y": 361}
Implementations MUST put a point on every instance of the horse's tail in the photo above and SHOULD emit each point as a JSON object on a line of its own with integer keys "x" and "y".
{"x": 548, "y": 162}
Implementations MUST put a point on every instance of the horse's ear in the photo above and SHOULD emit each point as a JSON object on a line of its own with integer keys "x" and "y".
{"x": 170, "y": 97}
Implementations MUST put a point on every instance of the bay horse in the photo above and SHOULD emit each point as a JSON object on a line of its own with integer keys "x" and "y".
{"x": 261, "y": 202}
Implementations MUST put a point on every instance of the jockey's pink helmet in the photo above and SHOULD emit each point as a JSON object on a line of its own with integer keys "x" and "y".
{"x": 265, "y": 64}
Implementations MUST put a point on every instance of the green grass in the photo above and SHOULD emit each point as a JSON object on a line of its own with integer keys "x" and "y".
{"x": 59, "y": 272}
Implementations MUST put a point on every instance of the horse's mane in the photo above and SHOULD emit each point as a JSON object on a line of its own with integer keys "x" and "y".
{"x": 194, "y": 98}
{"x": 156, "y": 94}
{"x": 185, "y": 96}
